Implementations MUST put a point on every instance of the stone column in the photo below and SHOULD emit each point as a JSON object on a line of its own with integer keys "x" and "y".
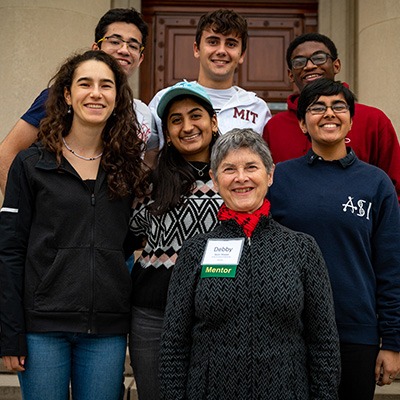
{"x": 379, "y": 56}
{"x": 366, "y": 35}
{"x": 37, "y": 35}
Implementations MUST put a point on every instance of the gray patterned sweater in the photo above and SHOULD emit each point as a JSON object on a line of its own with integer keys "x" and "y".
{"x": 268, "y": 333}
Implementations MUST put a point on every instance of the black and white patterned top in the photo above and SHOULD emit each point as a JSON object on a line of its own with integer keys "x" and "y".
{"x": 165, "y": 235}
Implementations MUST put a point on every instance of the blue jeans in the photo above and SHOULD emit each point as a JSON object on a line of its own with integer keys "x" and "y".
{"x": 92, "y": 364}
{"x": 144, "y": 348}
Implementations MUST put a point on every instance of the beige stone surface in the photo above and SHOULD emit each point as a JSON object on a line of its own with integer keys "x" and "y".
{"x": 379, "y": 55}
{"x": 37, "y": 36}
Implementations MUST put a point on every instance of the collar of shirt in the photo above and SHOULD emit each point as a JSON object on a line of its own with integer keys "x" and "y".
{"x": 345, "y": 162}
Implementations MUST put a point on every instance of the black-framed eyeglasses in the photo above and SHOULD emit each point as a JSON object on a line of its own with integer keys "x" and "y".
{"x": 316, "y": 59}
{"x": 116, "y": 42}
{"x": 319, "y": 109}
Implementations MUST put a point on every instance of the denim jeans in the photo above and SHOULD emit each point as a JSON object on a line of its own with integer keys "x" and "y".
{"x": 144, "y": 348}
{"x": 92, "y": 364}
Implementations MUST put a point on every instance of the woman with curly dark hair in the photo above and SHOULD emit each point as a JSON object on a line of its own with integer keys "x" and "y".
{"x": 65, "y": 287}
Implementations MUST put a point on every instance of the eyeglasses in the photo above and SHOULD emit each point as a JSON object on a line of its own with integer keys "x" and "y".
{"x": 319, "y": 109}
{"x": 316, "y": 59}
{"x": 116, "y": 42}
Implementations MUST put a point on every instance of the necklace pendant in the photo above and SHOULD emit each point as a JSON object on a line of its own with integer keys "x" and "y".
{"x": 200, "y": 172}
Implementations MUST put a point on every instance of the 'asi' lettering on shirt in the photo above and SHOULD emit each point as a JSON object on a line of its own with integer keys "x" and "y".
{"x": 362, "y": 209}
{"x": 246, "y": 115}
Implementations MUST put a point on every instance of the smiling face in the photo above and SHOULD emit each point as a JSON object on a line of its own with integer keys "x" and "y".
{"x": 129, "y": 60}
{"x": 190, "y": 129}
{"x": 242, "y": 180}
{"x": 328, "y": 130}
{"x": 311, "y": 72}
{"x": 219, "y": 57}
{"x": 92, "y": 93}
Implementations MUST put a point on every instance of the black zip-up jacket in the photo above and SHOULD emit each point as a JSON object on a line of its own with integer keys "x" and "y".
{"x": 62, "y": 264}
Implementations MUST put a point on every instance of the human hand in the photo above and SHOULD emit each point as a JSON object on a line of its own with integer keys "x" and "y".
{"x": 14, "y": 363}
{"x": 387, "y": 366}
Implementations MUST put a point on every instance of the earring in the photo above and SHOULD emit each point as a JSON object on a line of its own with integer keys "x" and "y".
{"x": 169, "y": 144}
{"x": 69, "y": 111}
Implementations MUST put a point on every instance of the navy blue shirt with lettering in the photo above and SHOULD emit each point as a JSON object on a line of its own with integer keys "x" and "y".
{"x": 351, "y": 209}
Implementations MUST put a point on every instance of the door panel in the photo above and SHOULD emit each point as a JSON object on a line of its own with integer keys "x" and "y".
{"x": 272, "y": 26}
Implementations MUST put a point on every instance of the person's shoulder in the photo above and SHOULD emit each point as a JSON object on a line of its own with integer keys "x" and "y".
{"x": 202, "y": 238}
{"x": 156, "y": 98}
{"x": 290, "y": 164}
{"x": 140, "y": 104}
{"x": 141, "y": 108}
{"x": 43, "y": 94}
{"x": 300, "y": 237}
{"x": 280, "y": 116}
{"x": 251, "y": 98}
{"x": 30, "y": 155}
{"x": 371, "y": 170}
{"x": 289, "y": 169}
{"x": 42, "y": 97}
{"x": 369, "y": 111}
{"x": 196, "y": 244}
{"x": 244, "y": 92}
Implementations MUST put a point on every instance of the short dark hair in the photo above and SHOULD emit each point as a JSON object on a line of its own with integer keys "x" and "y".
{"x": 310, "y": 37}
{"x": 225, "y": 22}
{"x": 128, "y": 15}
{"x": 323, "y": 87}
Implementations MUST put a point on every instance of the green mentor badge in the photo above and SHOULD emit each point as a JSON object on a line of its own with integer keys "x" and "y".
{"x": 220, "y": 271}
{"x": 221, "y": 258}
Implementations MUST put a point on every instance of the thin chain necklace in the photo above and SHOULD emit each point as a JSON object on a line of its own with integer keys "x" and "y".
{"x": 78, "y": 155}
{"x": 200, "y": 171}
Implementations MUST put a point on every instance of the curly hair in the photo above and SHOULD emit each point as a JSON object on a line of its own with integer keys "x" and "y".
{"x": 122, "y": 153}
{"x": 173, "y": 178}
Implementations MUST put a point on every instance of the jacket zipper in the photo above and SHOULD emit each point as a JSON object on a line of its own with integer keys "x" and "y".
{"x": 93, "y": 203}
{"x": 90, "y": 322}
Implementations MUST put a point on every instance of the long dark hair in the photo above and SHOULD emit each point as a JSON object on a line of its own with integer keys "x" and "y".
{"x": 123, "y": 149}
{"x": 173, "y": 179}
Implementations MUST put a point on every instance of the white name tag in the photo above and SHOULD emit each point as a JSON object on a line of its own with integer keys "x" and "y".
{"x": 223, "y": 251}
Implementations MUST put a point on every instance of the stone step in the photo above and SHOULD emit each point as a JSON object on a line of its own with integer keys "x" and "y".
{"x": 9, "y": 388}
{"x": 388, "y": 392}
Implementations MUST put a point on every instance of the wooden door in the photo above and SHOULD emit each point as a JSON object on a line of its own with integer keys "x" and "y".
{"x": 272, "y": 26}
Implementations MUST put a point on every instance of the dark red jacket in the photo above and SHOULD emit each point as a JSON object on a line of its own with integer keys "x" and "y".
{"x": 372, "y": 137}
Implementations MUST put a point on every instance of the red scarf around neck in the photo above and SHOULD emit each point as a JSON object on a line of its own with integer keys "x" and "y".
{"x": 247, "y": 221}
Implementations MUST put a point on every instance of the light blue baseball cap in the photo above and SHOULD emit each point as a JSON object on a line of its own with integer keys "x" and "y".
{"x": 180, "y": 88}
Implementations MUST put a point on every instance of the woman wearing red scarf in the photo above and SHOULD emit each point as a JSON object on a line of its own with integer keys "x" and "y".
{"x": 250, "y": 312}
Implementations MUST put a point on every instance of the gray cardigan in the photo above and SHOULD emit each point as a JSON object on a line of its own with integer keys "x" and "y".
{"x": 268, "y": 333}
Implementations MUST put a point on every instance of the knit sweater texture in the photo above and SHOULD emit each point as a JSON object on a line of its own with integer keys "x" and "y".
{"x": 165, "y": 235}
{"x": 351, "y": 209}
{"x": 268, "y": 333}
